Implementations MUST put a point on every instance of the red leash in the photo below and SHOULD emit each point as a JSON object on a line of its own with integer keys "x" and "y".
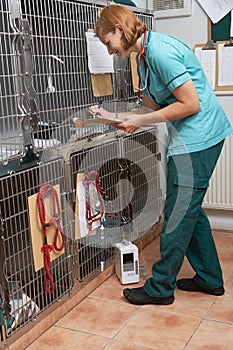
{"x": 92, "y": 178}
{"x": 54, "y": 220}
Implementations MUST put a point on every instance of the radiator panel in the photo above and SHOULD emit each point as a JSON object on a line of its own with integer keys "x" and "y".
{"x": 220, "y": 193}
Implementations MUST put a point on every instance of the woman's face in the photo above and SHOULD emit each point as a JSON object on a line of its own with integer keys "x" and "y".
{"x": 114, "y": 43}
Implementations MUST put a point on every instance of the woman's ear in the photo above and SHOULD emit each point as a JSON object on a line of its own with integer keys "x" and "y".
{"x": 119, "y": 27}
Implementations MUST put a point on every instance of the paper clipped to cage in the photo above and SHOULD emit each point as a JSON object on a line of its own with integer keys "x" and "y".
{"x": 99, "y": 61}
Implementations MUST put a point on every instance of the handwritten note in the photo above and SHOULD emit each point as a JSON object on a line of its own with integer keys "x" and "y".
{"x": 99, "y": 61}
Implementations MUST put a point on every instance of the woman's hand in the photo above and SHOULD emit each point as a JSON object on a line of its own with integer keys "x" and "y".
{"x": 122, "y": 121}
{"x": 118, "y": 123}
{"x": 100, "y": 112}
{"x": 126, "y": 127}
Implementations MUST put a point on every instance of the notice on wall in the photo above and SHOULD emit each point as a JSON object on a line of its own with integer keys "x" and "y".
{"x": 99, "y": 60}
{"x": 216, "y": 9}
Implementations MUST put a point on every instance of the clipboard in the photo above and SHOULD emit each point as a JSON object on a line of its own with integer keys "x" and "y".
{"x": 101, "y": 83}
{"x": 134, "y": 74}
{"x": 83, "y": 123}
{"x": 102, "y": 121}
{"x": 81, "y": 229}
{"x": 224, "y": 66}
{"x": 206, "y": 55}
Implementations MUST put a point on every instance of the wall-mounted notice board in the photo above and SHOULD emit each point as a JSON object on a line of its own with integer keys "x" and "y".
{"x": 219, "y": 37}
{"x": 221, "y": 30}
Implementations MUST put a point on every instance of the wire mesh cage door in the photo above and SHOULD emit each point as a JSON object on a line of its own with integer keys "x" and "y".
{"x": 44, "y": 75}
{"x": 25, "y": 285}
{"x": 11, "y": 140}
{"x": 142, "y": 152}
{"x": 128, "y": 169}
{"x": 101, "y": 160}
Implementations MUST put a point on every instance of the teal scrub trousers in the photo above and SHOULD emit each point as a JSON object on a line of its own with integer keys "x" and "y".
{"x": 186, "y": 229}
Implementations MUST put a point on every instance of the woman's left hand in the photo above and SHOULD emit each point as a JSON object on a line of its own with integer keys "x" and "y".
{"x": 100, "y": 112}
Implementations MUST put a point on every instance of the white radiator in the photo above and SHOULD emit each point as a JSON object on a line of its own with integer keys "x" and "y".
{"x": 220, "y": 192}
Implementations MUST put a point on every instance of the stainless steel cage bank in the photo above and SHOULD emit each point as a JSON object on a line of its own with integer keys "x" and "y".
{"x": 45, "y": 82}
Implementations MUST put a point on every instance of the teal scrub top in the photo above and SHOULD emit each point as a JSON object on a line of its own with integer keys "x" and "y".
{"x": 171, "y": 63}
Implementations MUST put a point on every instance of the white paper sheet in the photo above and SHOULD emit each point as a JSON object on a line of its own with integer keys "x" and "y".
{"x": 216, "y": 9}
{"x": 83, "y": 226}
{"x": 207, "y": 59}
{"x": 82, "y": 210}
{"x": 225, "y": 67}
{"x": 99, "y": 61}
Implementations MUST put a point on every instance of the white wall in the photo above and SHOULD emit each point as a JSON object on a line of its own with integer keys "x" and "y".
{"x": 191, "y": 29}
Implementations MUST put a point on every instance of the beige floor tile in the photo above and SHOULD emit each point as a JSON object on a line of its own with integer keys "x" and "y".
{"x": 151, "y": 249}
{"x": 117, "y": 345}
{"x": 104, "y": 320}
{"x": 224, "y": 243}
{"x": 97, "y": 316}
{"x": 222, "y": 309}
{"x": 186, "y": 270}
{"x": 229, "y": 283}
{"x": 212, "y": 335}
{"x": 189, "y": 304}
{"x": 223, "y": 238}
{"x": 33, "y": 334}
{"x": 57, "y": 338}
{"x": 158, "y": 329}
{"x": 112, "y": 290}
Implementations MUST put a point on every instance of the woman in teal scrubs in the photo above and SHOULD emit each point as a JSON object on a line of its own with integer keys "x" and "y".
{"x": 174, "y": 86}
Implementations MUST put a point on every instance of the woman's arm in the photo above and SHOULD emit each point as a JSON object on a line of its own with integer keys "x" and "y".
{"x": 186, "y": 104}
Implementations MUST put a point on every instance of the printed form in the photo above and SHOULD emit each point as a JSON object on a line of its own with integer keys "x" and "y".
{"x": 99, "y": 61}
{"x": 225, "y": 59}
{"x": 207, "y": 59}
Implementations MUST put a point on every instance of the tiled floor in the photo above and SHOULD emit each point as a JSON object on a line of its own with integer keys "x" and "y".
{"x": 104, "y": 320}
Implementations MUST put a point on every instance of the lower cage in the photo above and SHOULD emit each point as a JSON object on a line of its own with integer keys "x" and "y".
{"x": 128, "y": 171}
{"x": 25, "y": 286}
